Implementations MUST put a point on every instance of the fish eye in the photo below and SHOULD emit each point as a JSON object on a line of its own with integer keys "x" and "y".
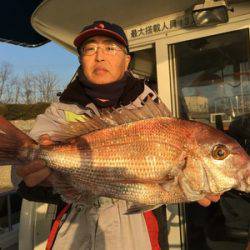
{"x": 220, "y": 152}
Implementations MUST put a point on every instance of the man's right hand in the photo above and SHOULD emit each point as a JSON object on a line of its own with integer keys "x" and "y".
{"x": 36, "y": 172}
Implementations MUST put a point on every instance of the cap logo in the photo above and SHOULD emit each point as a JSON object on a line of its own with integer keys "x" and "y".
{"x": 100, "y": 26}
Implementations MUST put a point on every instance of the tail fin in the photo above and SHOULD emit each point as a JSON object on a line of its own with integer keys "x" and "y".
{"x": 12, "y": 143}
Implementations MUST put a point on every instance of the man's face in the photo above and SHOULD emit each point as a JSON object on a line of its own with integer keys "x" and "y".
{"x": 101, "y": 66}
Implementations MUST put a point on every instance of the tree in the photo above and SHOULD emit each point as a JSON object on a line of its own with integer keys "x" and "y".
{"x": 47, "y": 85}
{"x": 27, "y": 88}
{"x": 28, "y": 93}
{"x": 5, "y": 75}
{"x": 16, "y": 86}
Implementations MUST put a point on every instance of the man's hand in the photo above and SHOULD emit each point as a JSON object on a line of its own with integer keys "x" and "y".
{"x": 205, "y": 202}
{"x": 35, "y": 172}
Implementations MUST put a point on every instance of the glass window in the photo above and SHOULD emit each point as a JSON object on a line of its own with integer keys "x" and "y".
{"x": 143, "y": 64}
{"x": 213, "y": 79}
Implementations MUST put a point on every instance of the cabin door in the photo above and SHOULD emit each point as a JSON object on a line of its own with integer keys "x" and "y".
{"x": 211, "y": 83}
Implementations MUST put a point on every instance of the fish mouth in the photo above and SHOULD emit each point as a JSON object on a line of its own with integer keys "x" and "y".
{"x": 247, "y": 177}
{"x": 244, "y": 179}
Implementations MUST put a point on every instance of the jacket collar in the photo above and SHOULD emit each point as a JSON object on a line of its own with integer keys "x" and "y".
{"x": 79, "y": 91}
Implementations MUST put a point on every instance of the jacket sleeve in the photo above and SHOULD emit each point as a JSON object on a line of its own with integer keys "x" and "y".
{"x": 49, "y": 122}
{"x": 39, "y": 194}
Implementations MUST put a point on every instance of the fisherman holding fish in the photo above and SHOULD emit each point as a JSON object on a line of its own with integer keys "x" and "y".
{"x": 104, "y": 82}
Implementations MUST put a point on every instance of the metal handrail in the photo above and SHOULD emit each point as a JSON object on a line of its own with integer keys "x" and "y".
{"x": 8, "y": 194}
{"x": 245, "y": 99}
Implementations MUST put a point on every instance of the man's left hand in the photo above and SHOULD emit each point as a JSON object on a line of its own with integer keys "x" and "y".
{"x": 205, "y": 202}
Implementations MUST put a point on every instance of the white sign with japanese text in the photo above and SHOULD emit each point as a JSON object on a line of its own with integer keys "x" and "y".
{"x": 161, "y": 26}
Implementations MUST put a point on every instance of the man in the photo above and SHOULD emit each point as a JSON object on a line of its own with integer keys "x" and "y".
{"x": 103, "y": 81}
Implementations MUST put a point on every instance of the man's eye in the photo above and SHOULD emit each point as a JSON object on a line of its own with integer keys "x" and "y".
{"x": 111, "y": 48}
{"x": 89, "y": 48}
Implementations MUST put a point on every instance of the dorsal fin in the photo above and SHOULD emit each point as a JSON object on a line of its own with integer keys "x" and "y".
{"x": 116, "y": 117}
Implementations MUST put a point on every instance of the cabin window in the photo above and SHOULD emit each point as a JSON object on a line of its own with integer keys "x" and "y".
{"x": 143, "y": 64}
{"x": 213, "y": 82}
{"x": 214, "y": 77}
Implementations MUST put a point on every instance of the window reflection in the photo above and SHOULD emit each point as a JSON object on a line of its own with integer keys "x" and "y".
{"x": 213, "y": 76}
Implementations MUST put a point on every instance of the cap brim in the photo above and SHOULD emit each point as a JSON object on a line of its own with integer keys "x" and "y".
{"x": 96, "y": 32}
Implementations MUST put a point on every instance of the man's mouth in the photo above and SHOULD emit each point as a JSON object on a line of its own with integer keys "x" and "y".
{"x": 100, "y": 70}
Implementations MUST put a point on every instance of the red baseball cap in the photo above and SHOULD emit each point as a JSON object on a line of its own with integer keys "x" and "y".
{"x": 99, "y": 28}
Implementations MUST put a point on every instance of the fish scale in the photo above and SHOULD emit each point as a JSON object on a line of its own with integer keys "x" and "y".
{"x": 126, "y": 158}
{"x": 147, "y": 155}
{"x": 144, "y": 193}
{"x": 135, "y": 155}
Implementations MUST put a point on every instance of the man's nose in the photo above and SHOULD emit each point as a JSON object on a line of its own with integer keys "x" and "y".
{"x": 99, "y": 54}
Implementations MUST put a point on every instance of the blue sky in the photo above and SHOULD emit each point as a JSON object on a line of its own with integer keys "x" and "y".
{"x": 50, "y": 57}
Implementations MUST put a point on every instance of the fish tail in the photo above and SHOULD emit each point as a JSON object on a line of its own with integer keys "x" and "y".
{"x": 14, "y": 144}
